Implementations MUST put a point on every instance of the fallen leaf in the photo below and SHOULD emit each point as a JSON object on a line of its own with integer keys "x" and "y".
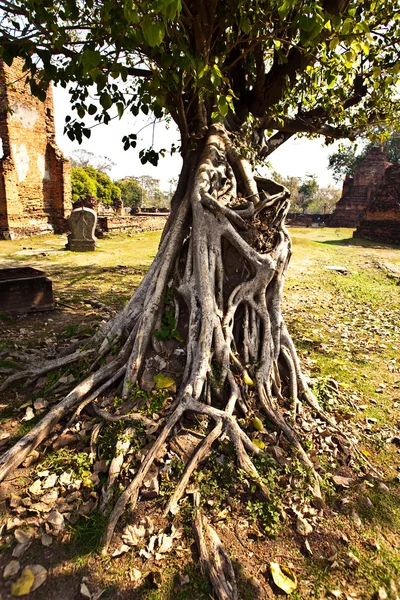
{"x": 36, "y": 487}
{"x": 29, "y": 414}
{"x": 120, "y": 550}
{"x": 135, "y": 574}
{"x": 163, "y": 381}
{"x": 247, "y": 379}
{"x": 20, "y": 549}
{"x": 22, "y": 536}
{"x": 24, "y": 584}
{"x": 284, "y": 578}
{"x": 85, "y": 591}
{"x": 257, "y": 424}
{"x": 259, "y": 443}
{"x": 46, "y": 539}
{"x": 303, "y": 527}
{"x": 132, "y": 534}
{"x": 11, "y": 569}
{"x": 39, "y": 574}
{"x": 342, "y": 481}
{"x": 50, "y": 481}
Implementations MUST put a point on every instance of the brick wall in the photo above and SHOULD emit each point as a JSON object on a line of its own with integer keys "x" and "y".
{"x": 35, "y": 186}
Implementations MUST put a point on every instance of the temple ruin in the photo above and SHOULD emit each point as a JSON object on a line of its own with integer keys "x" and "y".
{"x": 35, "y": 183}
{"x": 381, "y": 220}
{"x": 358, "y": 190}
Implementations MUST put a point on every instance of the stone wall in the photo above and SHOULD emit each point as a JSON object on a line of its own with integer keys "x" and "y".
{"x": 358, "y": 190}
{"x": 381, "y": 220}
{"x": 35, "y": 183}
{"x": 134, "y": 224}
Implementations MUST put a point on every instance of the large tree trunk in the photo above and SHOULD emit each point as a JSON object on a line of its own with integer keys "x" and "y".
{"x": 219, "y": 273}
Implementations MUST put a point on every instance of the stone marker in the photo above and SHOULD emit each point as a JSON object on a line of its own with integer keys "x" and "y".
{"x": 82, "y": 224}
{"x": 25, "y": 290}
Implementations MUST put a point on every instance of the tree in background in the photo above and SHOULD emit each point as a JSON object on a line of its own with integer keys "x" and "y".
{"x": 87, "y": 180}
{"x": 239, "y": 78}
{"x": 349, "y": 157}
{"x": 82, "y": 184}
{"x": 325, "y": 200}
{"x": 131, "y": 192}
{"x": 307, "y": 192}
{"x": 84, "y": 158}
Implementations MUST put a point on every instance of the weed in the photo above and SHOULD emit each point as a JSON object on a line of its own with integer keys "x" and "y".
{"x": 265, "y": 514}
{"x": 86, "y": 534}
{"x": 66, "y": 459}
{"x": 168, "y": 329}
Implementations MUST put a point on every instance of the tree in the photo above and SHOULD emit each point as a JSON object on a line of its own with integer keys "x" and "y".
{"x": 325, "y": 200}
{"x": 87, "y": 180}
{"x": 84, "y": 158}
{"x": 131, "y": 192}
{"x": 238, "y": 79}
{"x": 348, "y": 158}
{"x": 307, "y": 192}
{"x": 82, "y": 184}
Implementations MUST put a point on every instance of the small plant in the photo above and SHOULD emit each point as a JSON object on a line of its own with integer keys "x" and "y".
{"x": 265, "y": 514}
{"x": 66, "y": 459}
{"x": 168, "y": 329}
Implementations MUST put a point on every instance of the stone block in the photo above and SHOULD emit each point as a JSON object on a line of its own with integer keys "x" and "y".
{"x": 82, "y": 223}
{"x": 25, "y": 290}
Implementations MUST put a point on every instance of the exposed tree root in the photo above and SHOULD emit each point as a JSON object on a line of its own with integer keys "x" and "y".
{"x": 223, "y": 258}
{"x": 214, "y": 560}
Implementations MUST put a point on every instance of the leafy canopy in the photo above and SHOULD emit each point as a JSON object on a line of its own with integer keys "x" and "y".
{"x": 88, "y": 180}
{"x": 282, "y": 67}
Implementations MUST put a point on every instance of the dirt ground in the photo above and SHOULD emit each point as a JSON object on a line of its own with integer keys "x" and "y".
{"x": 346, "y": 326}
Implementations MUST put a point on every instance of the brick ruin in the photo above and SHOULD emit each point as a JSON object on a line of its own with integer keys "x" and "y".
{"x": 358, "y": 190}
{"x": 381, "y": 220}
{"x": 35, "y": 182}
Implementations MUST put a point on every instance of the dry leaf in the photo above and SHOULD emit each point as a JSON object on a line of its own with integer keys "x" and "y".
{"x": 50, "y": 481}
{"x": 36, "y": 487}
{"x": 120, "y": 550}
{"x": 85, "y": 591}
{"x": 24, "y": 584}
{"x": 11, "y": 569}
{"x": 29, "y": 414}
{"x": 20, "y": 549}
{"x": 284, "y": 578}
{"x": 135, "y": 574}
{"x": 22, "y": 537}
{"x": 39, "y": 574}
{"x": 46, "y": 539}
{"x": 302, "y": 526}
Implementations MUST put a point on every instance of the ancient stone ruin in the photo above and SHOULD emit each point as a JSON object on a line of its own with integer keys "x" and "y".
{"x": 82, "y": 224}
{"x": 35, "y": 184}
{"x": 381, "y": 220}
{"x": 358, "y": 190}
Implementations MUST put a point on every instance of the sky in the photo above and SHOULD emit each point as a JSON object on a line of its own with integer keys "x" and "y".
{"x": 297, "y": 157}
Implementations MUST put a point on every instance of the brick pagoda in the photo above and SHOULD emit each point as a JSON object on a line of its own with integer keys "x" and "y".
{"x": 35, "y": 183}
{"x": 358, "y": 190}
{"x": 381, "y": 220}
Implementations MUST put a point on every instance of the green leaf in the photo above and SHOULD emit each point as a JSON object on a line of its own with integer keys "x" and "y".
{"x": 153, "y": 32}
{"x": 130, "y": 13}
{"x": 106, "y": 101}
{"x": 257, "y": 424}
{"x": 245, "y": 25}
{"x": 259, "y": 443}
{"x": 163, "y": 382}
{"x": 90, "y": 59}
{"x": 223, "y": 106}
